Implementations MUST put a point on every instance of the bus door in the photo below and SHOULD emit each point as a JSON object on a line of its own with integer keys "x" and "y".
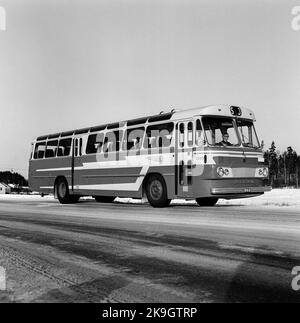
{"x": 184, "y": 158}
{"x": 76, "y": 161}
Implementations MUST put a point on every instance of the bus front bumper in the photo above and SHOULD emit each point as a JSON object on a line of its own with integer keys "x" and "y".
{"x": 240, "y": 190}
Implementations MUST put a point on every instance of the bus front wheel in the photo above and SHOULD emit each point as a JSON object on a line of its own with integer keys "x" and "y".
{"x": 207, "y": 201}
{"x": 62, "y": 192}
{"x": 156, "y": 191}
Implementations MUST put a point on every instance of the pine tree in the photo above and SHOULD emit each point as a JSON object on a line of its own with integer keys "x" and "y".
{"x": 290, "y": 157}
{"x": 272, "y": 163}
{"x": 297, "y": 171}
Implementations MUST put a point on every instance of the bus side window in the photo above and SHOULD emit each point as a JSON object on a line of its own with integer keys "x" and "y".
{"x": 149, "y": 142}
{"x": 80, "y": 146}
{"x": 64, "y": 147}
{"x": 181, "y": 171}
{"x": 190, "y": 134}
{"x": 133, "y": 138}
{"x": 75, "y": 147}
{"x": 181, "y": 135}
{"x": 99, "y": 141}
{"x": 112, "y": 141}
{"x": 199, "y": 139}
{"x": 91, "y": 146}
{"x": 39, "y": 150}
{"x": 51, "y": 149}
{"x": 159, "y": 135}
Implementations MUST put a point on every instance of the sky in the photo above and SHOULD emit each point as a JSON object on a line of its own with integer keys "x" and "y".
{"x": 67, "y": 64}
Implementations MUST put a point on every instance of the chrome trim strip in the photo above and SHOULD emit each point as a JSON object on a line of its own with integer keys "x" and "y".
{"x": 240, "y": 190}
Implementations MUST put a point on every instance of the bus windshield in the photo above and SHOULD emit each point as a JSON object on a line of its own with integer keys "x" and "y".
{"x": 220, "y": 131}
{"x": 248, "y": 133}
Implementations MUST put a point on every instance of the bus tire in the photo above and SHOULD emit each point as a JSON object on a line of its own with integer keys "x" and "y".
{"x": 156, "y": 191}
{"x": 62, "y": 191}
{"x": 104, "y": 199}
{"x": 207, "y": 201}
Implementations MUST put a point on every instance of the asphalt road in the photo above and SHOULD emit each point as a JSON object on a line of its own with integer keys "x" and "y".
{"x": 92, "y": 252}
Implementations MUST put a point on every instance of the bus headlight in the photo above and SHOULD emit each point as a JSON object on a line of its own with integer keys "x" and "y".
{"x": 263, "y": 172}
{"x": 222, "y": 171}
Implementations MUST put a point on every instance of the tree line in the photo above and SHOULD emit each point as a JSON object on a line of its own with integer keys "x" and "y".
{"x": 13, "y": 178}
{"x": 284, "y": 168}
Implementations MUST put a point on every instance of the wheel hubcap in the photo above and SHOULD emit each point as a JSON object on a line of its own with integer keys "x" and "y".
{"x": 62, "y": 189}
{"x": 156, "y": 190}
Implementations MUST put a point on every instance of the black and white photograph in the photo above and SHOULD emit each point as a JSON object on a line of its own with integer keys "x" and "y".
{"x": 149, "y": 154}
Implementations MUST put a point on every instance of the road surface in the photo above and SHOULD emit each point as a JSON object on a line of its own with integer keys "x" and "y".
{"x": 93, "y": 252}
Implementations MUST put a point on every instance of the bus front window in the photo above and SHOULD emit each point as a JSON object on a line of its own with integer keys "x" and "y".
{"x": 220, "y": 131}
{"x": 248, "y": 133}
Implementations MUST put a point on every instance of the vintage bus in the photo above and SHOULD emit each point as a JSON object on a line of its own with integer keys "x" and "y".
{"x": 202, "y": 153}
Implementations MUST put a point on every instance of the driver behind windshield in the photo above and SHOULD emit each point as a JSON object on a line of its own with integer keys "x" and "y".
{"x": 224, "y": 141}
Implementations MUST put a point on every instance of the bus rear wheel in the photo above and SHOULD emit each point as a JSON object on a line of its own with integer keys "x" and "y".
{"x": 104, "y": 199}
{"x": 156, "y": 191}
{"x": 62, "y": 191}
{"x": 207, "y": 201}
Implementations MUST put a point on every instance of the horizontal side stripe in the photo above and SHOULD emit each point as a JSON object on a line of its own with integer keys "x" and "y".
{"x": 117, "y": 186}
{"x": 111, "y": 175}
{"x": 151, "y": 160}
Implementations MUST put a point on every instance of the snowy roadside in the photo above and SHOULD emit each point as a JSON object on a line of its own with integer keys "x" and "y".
{"x": 276, "y": 198}
{"x": 286, "y": 197}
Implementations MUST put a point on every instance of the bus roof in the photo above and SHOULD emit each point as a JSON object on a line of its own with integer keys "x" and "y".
{"x": 212, "y": 110}
{"x": 215, "y": 110}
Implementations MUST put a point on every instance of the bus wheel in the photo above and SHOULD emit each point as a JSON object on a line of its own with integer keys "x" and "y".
{"x": 207, "y": 201}
{"x": 104, "y": 199}
{"x": 62, "y": 191}
{"x": 156, "y": 191}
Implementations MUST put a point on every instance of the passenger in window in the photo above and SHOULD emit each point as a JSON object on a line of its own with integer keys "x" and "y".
{"x": 98, "y": 147}
{"x": 137, "y": 144}
{"x": 152, "y": 142}
{"x": 225, "y": 141}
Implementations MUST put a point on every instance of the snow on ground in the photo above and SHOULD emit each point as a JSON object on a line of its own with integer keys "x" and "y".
{"x": 276, "y": 198}
{"x": 285, "y": 197}
{"x": 16, "y": 197}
